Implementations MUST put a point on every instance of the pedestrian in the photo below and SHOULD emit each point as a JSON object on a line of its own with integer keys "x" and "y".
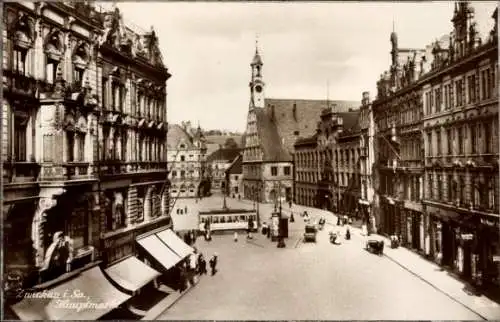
{"x": 192, "y": 237}
{"x": 213, "y": 264}
{"x": 235, "y": 236}
{"x": 250, "y": 228}
{"x": 290, "y": 203}
{"x": 202, "y": 263}
{"x": 291, "y": 217}
{"x": 338, "y": 221}
{"x": 348, "y": 234}
{"x": 239, "y": 197}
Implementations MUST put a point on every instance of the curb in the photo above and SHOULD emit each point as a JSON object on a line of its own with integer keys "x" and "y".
{"x": 154, "y": 315}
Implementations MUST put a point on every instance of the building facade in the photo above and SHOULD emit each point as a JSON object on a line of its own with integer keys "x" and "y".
{"x": 84, "y": 121}
{"x": 217, "y": 164}
{"x": 306, "y": 172}
{"x": 324, "y": 179}
{"x": 186, "y": 157}
{"x": 234, "y": 177}
{"x": 461, "y": 151}
{"x": 273, "y": 126}
{"x": 366, "y": 155}
{"x": 398, "y": 172}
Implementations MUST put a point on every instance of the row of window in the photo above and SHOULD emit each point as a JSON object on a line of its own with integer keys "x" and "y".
{"x": 480, "y": 139}
{"x": 411, "y": 149}
{"x": 346, "y": 179}
{"x": 113, "y": 92}
{"x": 116, "y": 213}
{"x": 183, "y": 174}
{"x": 454, "y": 94}
{"x": 114, "y": 95}
{"x": 478, "y": 191}
{"x": 145, "y": 148}
{"x": 348, "y": 158}
{"x": 274, "y": 171}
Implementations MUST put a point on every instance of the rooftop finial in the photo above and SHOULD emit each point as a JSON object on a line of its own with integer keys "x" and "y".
{"x": 257, "y": 43}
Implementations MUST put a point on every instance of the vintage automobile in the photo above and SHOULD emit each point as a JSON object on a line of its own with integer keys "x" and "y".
{"x": 375, "y": 246}
{"x": 310, "y": 233}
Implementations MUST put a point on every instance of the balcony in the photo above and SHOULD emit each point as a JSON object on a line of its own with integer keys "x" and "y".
{"x": 76, "y": 170}
{"x": 114, "y": 167}
{"x": 20, "y": 171}
{"x": 19, "y": 84}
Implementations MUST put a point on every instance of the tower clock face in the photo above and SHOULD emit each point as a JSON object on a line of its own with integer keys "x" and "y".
{"x": 258, "y": 88}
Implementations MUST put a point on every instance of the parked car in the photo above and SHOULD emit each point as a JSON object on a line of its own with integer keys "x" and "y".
{"x": 310, "y": 233}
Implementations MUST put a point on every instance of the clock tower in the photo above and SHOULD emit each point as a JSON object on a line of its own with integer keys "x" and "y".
{"x": 256, "y": 84}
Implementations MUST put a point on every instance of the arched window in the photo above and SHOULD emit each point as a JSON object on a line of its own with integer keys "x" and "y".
{"x": 140, "y": 210}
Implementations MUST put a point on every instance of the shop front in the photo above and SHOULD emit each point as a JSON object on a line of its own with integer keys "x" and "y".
{"x": 487, "y": 273}
{"x": 412, "y": 230}
{"x": 393, "y": 222}
{"x": 458, "y": 243}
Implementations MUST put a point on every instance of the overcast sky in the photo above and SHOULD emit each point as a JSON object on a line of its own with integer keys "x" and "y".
{"x": 208, "y": 47}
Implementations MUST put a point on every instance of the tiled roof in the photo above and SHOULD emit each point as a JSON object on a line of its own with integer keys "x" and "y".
{"x": 299, "y": 117}
{"x": 270, "y": 140}
{"x": 311, "y": 140}
{"x": 224, "y": 155}
{"x": 236, "y": 166}
{"x": 175, "y": 134}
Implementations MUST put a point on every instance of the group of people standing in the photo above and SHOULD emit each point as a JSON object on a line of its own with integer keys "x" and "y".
{"x": 200, "y": 264}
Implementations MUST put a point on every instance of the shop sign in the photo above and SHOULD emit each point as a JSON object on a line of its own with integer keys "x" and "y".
{"x": 467, "y": 236}
{"x": 116, "y": 242}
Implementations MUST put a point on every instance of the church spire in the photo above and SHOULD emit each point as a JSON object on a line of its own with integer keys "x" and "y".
{"x": 257, "y": 60}
{"x": 394, "y": 42}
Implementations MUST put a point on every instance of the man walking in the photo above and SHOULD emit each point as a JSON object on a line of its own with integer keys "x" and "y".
{"x": 250, "y": 228}
{"x": 213, "y": 264}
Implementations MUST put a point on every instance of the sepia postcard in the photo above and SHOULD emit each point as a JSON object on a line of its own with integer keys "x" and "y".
{"x": 269, "y": 160}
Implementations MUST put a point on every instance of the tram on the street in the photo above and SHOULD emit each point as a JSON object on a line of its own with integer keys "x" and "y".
{"x": 229, "y": 220}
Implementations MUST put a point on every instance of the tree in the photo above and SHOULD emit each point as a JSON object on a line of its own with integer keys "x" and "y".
{"x": 230, "y": 144}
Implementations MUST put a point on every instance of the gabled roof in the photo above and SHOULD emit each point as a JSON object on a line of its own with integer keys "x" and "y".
{"x": 176, "y": 134}
{"x": 227, "y": 155}
{"x": 236, "y": 166}
{"x": 299, "y": 117}
{"x": 270, "y": 140}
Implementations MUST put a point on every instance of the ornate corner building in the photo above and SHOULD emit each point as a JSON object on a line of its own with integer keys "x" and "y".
{"x": 84, "y": 137}
{"x": 436, "y": 167}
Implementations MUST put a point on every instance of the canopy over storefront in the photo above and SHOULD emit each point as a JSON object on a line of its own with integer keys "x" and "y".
{"x": 159, "y": 251}
{"x": 88, "y": 296}
{"x": 175, "y": 243}
{"x": 131, "y": 273}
